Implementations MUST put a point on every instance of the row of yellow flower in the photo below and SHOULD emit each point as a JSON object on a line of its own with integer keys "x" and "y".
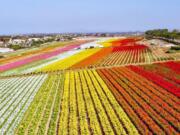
{"x": 120, "y": 112}
{"x": 100, "y": 110}
{"x": 81, "y": 106}
{"x": 73, "y": 119}
{"x": 68, "y": 62}
{"x": 63, "y": 121}
{"x": 42, "y": 115}
{"x": 94, "y": 124}
{"x": 107, "y": 43}
{"x": 89, "y": 107}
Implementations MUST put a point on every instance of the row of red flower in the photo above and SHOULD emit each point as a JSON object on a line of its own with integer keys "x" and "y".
{"x": 125, "y": 42}
{"x": 157, "y": 79}
{"x": 166, "y": 72}
{"x": 150, "y": 113}
{"x": 130, "y": 48}
{"x": 172, "y": 65}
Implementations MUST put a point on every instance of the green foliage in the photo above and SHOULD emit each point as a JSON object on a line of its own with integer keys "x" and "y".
{"x": 39, "y": 42}
{"x": 174, "y": 49}
{"x": 177, "y": 47}
{"x": 15, "y": 47}
{"x": 163, "y": 33}
{"x": 1, "y": 56}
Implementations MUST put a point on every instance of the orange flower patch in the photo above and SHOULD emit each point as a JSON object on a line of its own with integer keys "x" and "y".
{"x": 93, "y": 58}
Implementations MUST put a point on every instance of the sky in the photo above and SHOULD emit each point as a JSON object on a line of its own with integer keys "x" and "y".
{"x": 64, "y": 16}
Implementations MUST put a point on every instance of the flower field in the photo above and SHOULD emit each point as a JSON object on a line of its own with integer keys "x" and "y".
{"x": 68, "y": 62}
{"x": 118, "y": 52}
{"x": 123, "y": 52}
{"x": 93, "y": 58}
{"x": 34, "y": 66}
{"x": 132, "y": 54}
{"x": 16, "y": 95}
{"x": 43, "y": 114}
{"x": 103, "y": 101}
{"x": 35, "y": 58}
{"x": 21, "y": 54}
{"x": 152, "y": 108}
{"x": 123, "y": 87}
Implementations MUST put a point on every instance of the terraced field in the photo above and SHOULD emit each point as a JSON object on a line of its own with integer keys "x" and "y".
{"x": 121, "y": 88}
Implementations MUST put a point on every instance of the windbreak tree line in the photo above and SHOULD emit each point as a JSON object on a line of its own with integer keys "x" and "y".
{"x": 163, "y": 33}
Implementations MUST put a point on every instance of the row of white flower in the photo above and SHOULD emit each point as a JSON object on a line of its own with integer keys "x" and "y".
{"x": 54, "y": 59}
{"x": 4, "y": 83}
{"x": 15, "y": 99}
{"x": 9, "y": 91}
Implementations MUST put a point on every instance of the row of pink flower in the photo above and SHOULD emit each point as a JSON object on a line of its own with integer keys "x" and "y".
{"x": 28, "y": 60}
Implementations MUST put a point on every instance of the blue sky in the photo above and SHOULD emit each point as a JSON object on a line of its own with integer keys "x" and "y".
{"x": 36, "y": 16}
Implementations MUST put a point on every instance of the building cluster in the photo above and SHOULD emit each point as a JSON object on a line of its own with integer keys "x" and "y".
{"x": 23, "y": 41}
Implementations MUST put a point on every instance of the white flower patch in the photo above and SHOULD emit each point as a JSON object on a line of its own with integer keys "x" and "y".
{"x": 9, "y": 94}
{"x": 4, "y": 83}
{"x": 13, "y": 108}
{"x": 89, "y": 45}
{"x": 54, "y": 59}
